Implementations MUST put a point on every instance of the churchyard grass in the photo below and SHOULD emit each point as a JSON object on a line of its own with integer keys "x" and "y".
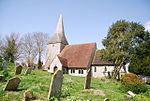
{"x": 72, "y": 88}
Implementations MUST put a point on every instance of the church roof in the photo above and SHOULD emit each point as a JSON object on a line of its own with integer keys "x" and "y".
{"x": 97, "y": 61}
{"x": 79, "y": 55}
{"x": 59, "y": 36}
{"x": 63, "y": 61}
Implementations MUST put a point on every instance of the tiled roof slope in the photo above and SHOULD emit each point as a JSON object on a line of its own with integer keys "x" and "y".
{"x": 79, "y": 55}
{"x": 98, "y": 61}
{"x": 63, "y": 61}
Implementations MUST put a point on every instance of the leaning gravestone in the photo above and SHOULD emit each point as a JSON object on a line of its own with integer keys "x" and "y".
{"x": 28, "y": 71}
{"x": 12, "y": 84}
{"x": 88, "y": 80}
{"x": 56, "y": 83}
{"x": 18, "y": 70}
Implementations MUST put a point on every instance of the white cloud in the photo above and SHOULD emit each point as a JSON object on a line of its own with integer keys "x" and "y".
{"x": 147, "y": 26}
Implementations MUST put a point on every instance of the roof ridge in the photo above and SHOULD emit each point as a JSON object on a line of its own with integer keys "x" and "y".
{"x": 82, "y": 44}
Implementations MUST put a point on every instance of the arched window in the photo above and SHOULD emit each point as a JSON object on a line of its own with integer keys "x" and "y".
{"x": 105, "y": 68}
{"x": 80, "y": 71}
{"x": 72, "y": 70}
{"x": 94, "y": 69}
{"x": 55, "y": 68}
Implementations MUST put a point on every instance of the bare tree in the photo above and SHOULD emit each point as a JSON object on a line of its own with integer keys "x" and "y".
{"x": 10, "y": 48}
{"x": 40, "y": 40}
{"x": 28, "y": 49}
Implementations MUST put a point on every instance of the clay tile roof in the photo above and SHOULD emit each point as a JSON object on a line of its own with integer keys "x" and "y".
{"x": 63, "y": 61}
{"x": 98, "y": 61}
{"x": 79, "y": 55}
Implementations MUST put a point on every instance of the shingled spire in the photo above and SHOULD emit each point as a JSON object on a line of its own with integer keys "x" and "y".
{"x": 59, "y": 36}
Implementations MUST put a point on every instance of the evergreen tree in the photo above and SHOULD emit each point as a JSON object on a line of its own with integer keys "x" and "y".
{"x": 10, "y": 48}
{"x": 122, "y": 38}
{"x": 140, "y": 62}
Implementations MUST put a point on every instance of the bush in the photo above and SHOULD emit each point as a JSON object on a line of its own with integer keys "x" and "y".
{"x": 140, "y": 66}
{"x": 133, "y": 83}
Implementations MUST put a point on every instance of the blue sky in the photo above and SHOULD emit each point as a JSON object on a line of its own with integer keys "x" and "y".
{"x": 84, "y": 20}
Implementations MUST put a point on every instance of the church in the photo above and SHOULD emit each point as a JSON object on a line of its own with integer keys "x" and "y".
{"x": 75, "y": 59}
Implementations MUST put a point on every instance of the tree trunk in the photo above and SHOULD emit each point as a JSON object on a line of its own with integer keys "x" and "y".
{"x": 117, "y": 68}
{"x": 39, "y": 61}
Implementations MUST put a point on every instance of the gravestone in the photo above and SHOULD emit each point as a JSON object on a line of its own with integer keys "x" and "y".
{"x": 2, "y": 78}
{"x": 109, "y": 75}
{"x": 12, "y": 84}
{"x": 106, "y": 99}
{"x": 56, "y": 83}
{"x": 5, "y": 64}
{"x": 28, "y": 71}
{"x": 131, "y": 94}
{"x": 18, "y": 70}
{"x": 88, "y": 79}
{"x": 28, "y": 95}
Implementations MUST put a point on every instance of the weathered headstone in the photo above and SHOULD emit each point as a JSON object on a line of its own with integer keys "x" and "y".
{"x": 2, "y": 78}
{"x": 106, "y": 99}
{"x": 18, "y": 70}
{"x": 12, "y": 84}
{"x": 88, "y": 79}
{"x": 109, "y": 75}
{"x": 131, "y": 94}
{"x": 28, "y": 95}
{"x": 56, "y": 83}
{"x": 5, "y": 64}
{"x": 28, "y": 71}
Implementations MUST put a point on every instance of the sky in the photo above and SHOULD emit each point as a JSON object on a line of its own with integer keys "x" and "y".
{"x": 85, "y": 21}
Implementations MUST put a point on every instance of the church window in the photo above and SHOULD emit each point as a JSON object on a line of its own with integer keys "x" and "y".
{"x": 80, "y": 71}
{"x": 94, "y": 69}
{"x": 72, "y": 70}
{"x": 55, "y": 68}
{"x": 105, "y": 68}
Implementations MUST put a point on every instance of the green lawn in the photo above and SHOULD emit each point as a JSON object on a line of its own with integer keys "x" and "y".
{"x": 72, "y": 88}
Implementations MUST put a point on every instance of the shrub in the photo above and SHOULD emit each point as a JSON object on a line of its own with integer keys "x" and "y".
{"x": 133, "y": 83}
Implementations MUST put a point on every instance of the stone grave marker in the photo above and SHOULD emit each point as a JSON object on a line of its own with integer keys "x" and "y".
{"x": 28, "y": 95}
{"x": 88, "y": 80}
{"x": 106, "y": 99}
{"x": 131, "y": 94}
{"x": 12, "y": 84}
{"x": 5, "y": 64}
{"x": 56, "y": 83}
{"x": 109, "y": 75}
{"x": 2, "y": 78}
{"x": 28, "y": 71}
{"x": 18, "y": 70}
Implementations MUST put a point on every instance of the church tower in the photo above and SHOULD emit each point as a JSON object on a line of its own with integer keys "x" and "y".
{"x": 56, "y": 43}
